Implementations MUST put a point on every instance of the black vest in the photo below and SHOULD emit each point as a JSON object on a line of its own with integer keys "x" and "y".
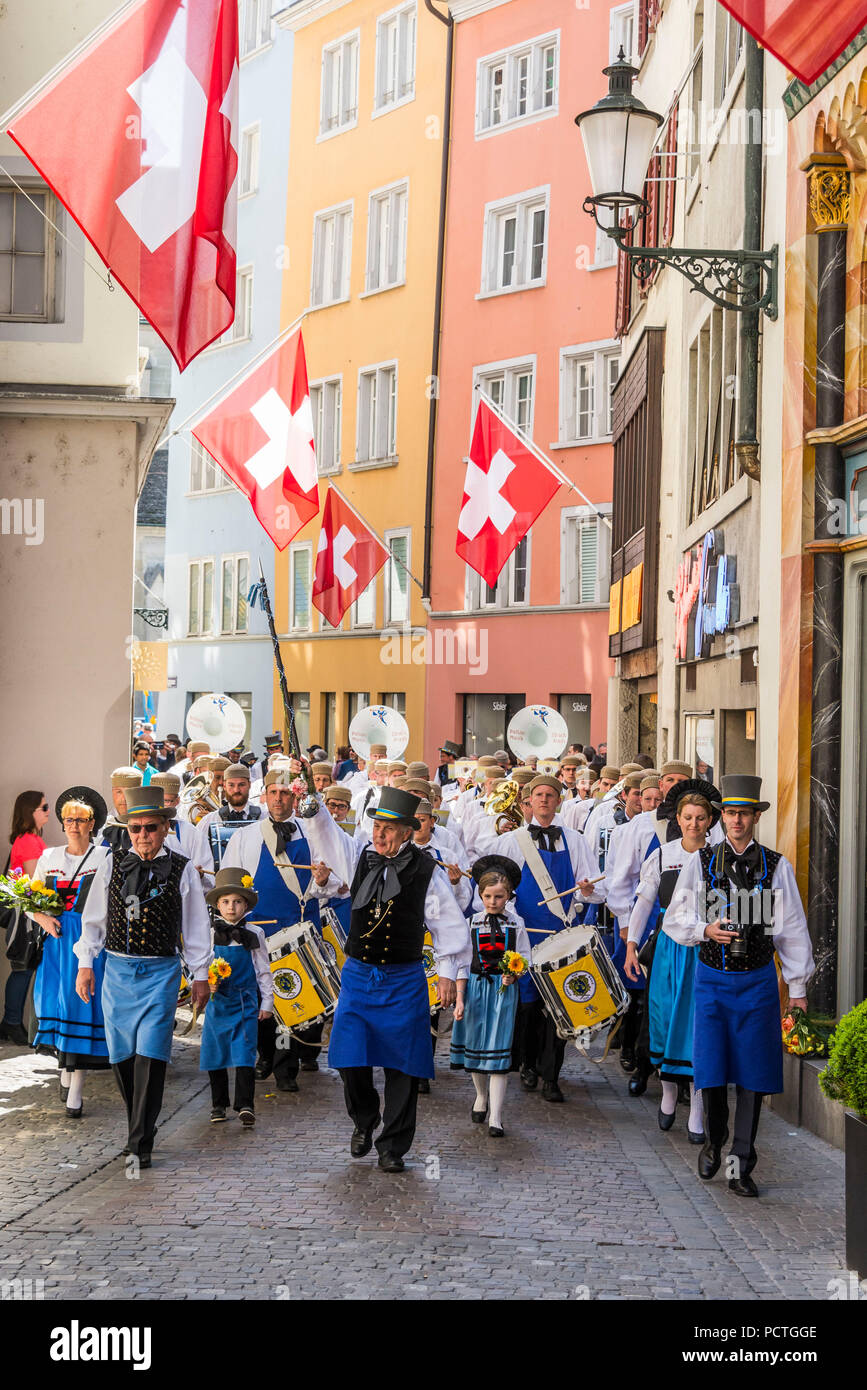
{"x": 154, "y": 929}
{"x": 759, "y": 934}
{"x": 488, "y": 965}
{"x": 392, "y": 934}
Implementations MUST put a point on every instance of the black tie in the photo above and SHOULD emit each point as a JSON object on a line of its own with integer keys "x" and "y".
{"x": 144, "y": 878}
{"x": 285, "y": 829}
{"x": 546, "y": 837}
{"x": 382, "y": 879}
{"x": 228, "y": 816}
{"x": 225, "y": 935}
{"x": 743, "y": 869}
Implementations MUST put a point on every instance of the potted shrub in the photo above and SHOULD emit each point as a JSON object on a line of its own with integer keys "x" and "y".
{"x": 845, "y": 1079}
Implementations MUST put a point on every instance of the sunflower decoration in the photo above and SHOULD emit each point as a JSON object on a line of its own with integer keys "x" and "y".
{"x": 218, "y": 970}
{"x": 512, "y": 967}
{"x": 30, "y": 895}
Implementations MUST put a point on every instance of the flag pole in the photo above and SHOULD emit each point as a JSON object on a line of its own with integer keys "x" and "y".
{"x": 288, "y": 711}
{"x": 391, "y": 554}
{"x": 543, "y": 458}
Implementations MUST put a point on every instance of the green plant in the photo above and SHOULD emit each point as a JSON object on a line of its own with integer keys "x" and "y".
{"x": 845, "y": 1077}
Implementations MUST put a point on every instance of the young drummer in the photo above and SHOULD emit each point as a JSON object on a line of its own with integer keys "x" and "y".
{"x": 485, "y": 1015}
{"x": 241, "y": 999}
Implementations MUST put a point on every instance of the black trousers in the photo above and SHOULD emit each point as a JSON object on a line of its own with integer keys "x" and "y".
{"x": 141, "y": 1081}
{"x": 536, "y": 1044}
{"x": 398, "y": 1112}
{"x": 245, "y": 1086}
{"x": 287, "y": 1060}
{"x": 748, "y": 1110}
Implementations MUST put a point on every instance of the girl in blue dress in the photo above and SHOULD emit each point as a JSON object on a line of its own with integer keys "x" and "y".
{"x": 240, "y": 1000}
{"x": 485, "y": 1014}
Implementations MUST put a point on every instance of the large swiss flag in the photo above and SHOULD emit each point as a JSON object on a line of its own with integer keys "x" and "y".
{"x": 806, "y": 35}
{"x": 137, "y": 137}
{"x": 348, "y": 556}
{"x": 506, "y": 488}
{"x": 261, "y": 435}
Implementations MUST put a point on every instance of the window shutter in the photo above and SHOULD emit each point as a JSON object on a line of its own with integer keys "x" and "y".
{"x": 588, "y": 533}
{"x": 669, "y": 173}
{"x": 624, "y": 291}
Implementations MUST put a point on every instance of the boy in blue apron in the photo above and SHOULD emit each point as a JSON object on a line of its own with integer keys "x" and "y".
{"x": 240, "y": 1001}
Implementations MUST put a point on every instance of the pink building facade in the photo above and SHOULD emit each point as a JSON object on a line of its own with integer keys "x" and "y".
{"x": 528, "y": 318}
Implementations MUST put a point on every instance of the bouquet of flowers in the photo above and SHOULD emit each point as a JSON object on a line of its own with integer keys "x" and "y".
{"x": 513, "y": 965}
{"x": 804, "y": 1035}
{"x": 30, "y": 895}
{"x": 218, "y": 970}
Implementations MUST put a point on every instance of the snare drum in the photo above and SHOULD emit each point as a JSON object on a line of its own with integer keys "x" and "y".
{"x": 333, "y": 937}
{"x": 430, "y": 969}
{"x": 580, "y": 987}
{"x": 306, "y": 983}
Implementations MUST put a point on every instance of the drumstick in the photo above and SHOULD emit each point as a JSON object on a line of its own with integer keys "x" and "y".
{"x": 445, "y": 866}
{"x": 567, "y": 891}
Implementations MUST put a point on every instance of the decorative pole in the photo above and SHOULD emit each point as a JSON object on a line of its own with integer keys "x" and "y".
{"x": 259, "y": 593}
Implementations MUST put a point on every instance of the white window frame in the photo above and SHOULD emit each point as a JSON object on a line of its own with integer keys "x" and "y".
{"x": 327, "y": 129}
{"x": 597, "y": 356}
{"x": 388, "y": 620}
{"x": 233, "y": 559}
{"x": 523, "y": 206}
{"x": 241, "y": 328}
{"x": 295, "y": 549}
{"x": 322, "y": 385}
{"x": 726, "y": 41}
{"x": 51, "y": 252}
{"x": 510, "y": 60}
{"x": 346, "y": 210}
{"x": 200, "y": 455}
{"x": 386, "y": 196}
{"x": 568, "y": 516}
{"x": 358, "y": 622}
{"x": 475, "y": 587}
{"x": 604, "y": 251}
{"x": 511, "y": 370}
{"x": 622, "y": 20}
{"x": 263, "y": 38}
{"x": 199, "y": 564}
{"x": 381, "y": 105}
{"x": 253, "y": 135}
{"x": 363, "y": 425}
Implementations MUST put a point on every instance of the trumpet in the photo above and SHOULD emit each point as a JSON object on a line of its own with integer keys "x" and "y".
{"x": 502, "y": 803}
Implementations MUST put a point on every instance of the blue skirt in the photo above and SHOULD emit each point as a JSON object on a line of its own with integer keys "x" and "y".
{"x": 737, "y": 1036}
{"x": 482, "y": 1039}
{"x": 139, "y": 999}
{"x": 671, "y": 1007}
{"x": 382, "y": 1019}
{"x": 74, "y": 1029}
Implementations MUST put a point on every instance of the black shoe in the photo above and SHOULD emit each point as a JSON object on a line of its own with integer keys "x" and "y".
{"x": 391, "y": 1163}
{"x": 551, "y": 1091}
{"x": 664, "y": 1121}
{"x": 709, "y": 1161}
{"x": 478, "y": 1117}
{"x": 14, "y": 1033}
{"x": 144, "y": 1160}
{"x": 262, "y": 1070}
{"x": 310, "y": 1066}
{"x": 248, "y": 1119}
{"x": 362, "y": 1141}
{"x": 529, "y": 1078}
{"x": 637, "y": 1085}
{"x": 423, "y": 1086}
{"x": 495, "y": 1133}
{"x": 218, "y": 1114}
{"x": 743, "y": 1187}
{"x": 627, "y": 1059}
{"x": 287, "y": 1084}
{"x": 75, "y": 1114}
{"x": 693, "y": 1137}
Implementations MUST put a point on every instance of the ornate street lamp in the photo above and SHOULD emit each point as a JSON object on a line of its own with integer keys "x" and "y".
{"x": 619, "y": 133}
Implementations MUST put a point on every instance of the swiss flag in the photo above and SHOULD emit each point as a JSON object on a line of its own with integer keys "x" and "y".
{"x": 506, "y": 488}
{"x": 137, "y": 137}
{"x": 261, "y": 435}
{"x": 806, "y": 35}
{"x": 349, "y": 554}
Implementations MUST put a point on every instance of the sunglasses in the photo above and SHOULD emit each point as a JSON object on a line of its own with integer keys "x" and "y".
{"x": 150, "y": 829}
{"x": 45, "y": 807}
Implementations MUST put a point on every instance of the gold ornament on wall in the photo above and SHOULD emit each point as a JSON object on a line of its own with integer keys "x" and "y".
{"x": 830, "y": 198}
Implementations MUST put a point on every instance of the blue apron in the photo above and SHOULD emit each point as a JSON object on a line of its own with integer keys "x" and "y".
{"x": 382, "y": 1019}
{"x": 737, "y": 1036}
{"x": 66, "y": 1023}
{"x": 231, "y": 1018}
{"x": 558, "y": 862}
{"x": 139, "y": 999}
{"x": 275, "y": 899}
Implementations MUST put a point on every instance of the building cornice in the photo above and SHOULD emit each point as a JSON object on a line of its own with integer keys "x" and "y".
{"x": 851, "y": 431}
{"x": 798, "y": 95}
{"x": 150, "y": 414}
{"x": 307, "y": 12}
{"x": 469, "y": 9}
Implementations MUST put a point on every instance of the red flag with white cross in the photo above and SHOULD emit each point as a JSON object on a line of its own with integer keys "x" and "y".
{"x": 506, "y": 488}
{"x": 348, "y": 556}
{"x": 261, "y": 435}
{"x": 806, "y": 35}
{"x": 137, "y": 136}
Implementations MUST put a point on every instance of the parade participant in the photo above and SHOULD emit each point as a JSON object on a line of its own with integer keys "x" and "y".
{"x": 321, "y": 773}
{"x": 552, "y": 859}
{"x": 485, "y": 1018}
{"x": 241, "y": 998}
{"x": 182, "y": 835}
{"x": 337, "y": 803}
{"x": 719, "y": 896}
{"x": 446, "y": 755}
{"x": 576, "y": 811}
{"x": 568, "y": 774}
{"x": 666, "y": 1040}
{"x": 269, "y": 850}
{"x": 651, "y": 795}
{"x": 485, "y": 768}
{"x": 635, "y": 843}
{"x": 450, "y": 829}
{"x": 194, "y": 750}
{"x": 213, "y": 832}
{"x": 337, "y": 800}
{"x": 368, "y": 797}
{"x": 383, "y": 1013}
{"x": 476, "y": 824}
{"x": 396, "y": 770}
{"x": 234, "y": 754}
{"x": 139, "y": 907}
{"x": 430, "y": 838}
{"x": 72, "y": 1030}
{"x": 115, "y": 834}
{"x": 355, "y": 780}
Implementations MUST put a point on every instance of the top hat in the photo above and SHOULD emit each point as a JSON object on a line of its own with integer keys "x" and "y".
{"x": 501, "y": 864}
{"x": 232, "y": 881}
{"x": 397, "y": 807}
{"x": 453, "y": 749}
{"x": 89, "y": 797}
{"x": 274, "y": 740}
{"x": 741, "y": 791}
{"x": 147, "y": 801}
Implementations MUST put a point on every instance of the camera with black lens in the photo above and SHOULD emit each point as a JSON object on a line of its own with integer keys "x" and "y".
{"x": 739, "y": 944}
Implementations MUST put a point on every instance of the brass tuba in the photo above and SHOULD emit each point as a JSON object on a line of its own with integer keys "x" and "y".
{"x": 198, "y": 797}
{"x": 502, "y": 804}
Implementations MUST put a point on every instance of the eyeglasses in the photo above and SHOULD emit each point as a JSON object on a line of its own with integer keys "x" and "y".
{"x": 150, "y": 829}
{"x": 77, "y": 820}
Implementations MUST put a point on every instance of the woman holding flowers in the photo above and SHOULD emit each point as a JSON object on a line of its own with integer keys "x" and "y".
{"x": 29, "y": 816}
{"x": 487, "y": 1005}
{"x": 71, "y": 1028}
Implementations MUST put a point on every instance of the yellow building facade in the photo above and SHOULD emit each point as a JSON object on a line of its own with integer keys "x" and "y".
{"x": 360, "y": 264}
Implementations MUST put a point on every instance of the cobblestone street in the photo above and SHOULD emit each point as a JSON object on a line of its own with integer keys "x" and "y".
{"x": 585, "y": 1200}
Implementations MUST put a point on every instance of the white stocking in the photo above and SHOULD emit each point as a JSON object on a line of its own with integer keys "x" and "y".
{"x": 499, "y": 1082}
{"x": 668, "y": 1104}
{"x": 696, "y": 1111}
{"x": 480, "y": 1081}
{"x": 76, "y": 1086}
{"x": 65, "y": 1076}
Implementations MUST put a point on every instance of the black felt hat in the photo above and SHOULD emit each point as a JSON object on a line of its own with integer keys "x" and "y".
{"x": 667, "y": 808}
{"x": 90, "y": 798}
{"x": 500, "y": 864}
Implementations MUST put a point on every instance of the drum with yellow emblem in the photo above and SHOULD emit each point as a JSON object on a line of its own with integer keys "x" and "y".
{"x": 430, "y": 969}
{"x": 334, "y": 937}
{"x": 306, "y": 983}
{"x": 580, "y": 988}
